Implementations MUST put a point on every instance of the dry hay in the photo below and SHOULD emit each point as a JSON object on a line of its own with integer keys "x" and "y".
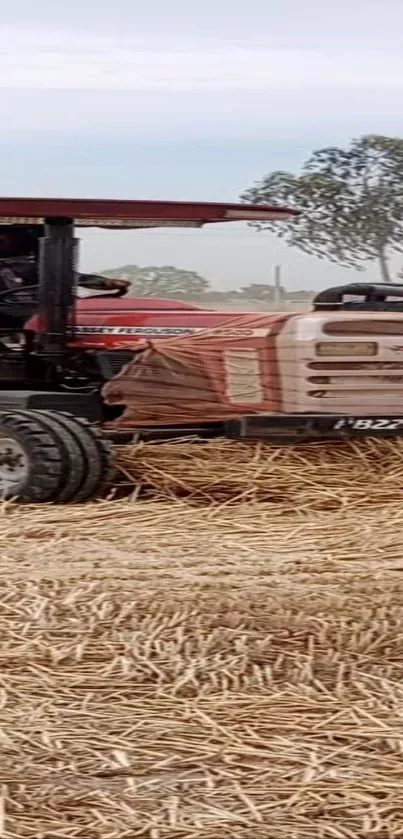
{"x": 180, "y": 671}
{"x": 321, "y": 475}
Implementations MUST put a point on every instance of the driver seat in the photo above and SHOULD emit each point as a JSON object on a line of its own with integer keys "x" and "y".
{"x": 17, "y": 284}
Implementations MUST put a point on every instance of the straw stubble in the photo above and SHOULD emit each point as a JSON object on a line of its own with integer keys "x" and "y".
{"x": 184, "y": 666}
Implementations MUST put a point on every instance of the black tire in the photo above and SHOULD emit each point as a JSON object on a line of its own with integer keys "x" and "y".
{"x": 74, "y": 465}
{"x": 43, "y": 472}
{"x": 96, "y": 453}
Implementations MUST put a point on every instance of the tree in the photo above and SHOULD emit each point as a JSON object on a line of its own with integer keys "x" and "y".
{"x": 164, "y": 281}
{"x": 351, "y": 203}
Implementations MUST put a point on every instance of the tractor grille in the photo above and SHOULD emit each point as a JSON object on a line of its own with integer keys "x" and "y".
{"x": 343, "y": 379}
{"x": 110, "y": 362}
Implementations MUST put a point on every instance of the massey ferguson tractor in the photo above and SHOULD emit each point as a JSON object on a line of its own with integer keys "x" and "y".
{"x": 80, "y": 374}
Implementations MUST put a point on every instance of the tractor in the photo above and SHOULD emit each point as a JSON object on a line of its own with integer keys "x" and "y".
{"x": 78, "y": 374}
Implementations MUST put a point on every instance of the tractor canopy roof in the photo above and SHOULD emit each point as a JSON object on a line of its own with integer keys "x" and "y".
{"x": 114, "y": 214}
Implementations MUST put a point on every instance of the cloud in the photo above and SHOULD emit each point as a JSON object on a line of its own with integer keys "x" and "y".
{"x": 165, "y": 87}
{"x": 55, "y": 60}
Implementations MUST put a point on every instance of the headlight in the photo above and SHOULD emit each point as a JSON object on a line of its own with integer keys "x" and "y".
{"x": 346, "y": 348}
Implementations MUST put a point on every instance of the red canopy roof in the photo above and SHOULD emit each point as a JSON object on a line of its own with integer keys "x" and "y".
{"x": 135, "y": 214}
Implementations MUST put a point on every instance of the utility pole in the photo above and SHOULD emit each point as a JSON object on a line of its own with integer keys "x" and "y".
{"x": 277, "y": 286}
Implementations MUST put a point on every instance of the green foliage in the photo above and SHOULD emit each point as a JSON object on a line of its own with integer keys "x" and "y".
{"x": 163, "y": 281}
{"x": 167, "y": 281}
{"x": 351, "y": 203}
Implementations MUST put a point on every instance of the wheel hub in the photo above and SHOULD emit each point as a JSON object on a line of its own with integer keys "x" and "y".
{"x": 14, "y": 464}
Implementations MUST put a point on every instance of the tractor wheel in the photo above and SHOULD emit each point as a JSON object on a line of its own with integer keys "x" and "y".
{"x": 31, "y": 465}
{"x": 73, "y": 463}
{"x": 96, "y": 454}
{"x": 51, "y": 456}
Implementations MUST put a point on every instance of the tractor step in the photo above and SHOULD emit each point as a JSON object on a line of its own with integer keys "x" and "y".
{"x": 80, "y": 405}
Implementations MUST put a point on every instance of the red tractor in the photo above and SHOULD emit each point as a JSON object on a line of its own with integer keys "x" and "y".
{"x": 77, "y": 375}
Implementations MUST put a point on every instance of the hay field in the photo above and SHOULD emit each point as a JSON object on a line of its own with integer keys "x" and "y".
{"x": 220, "y": 655}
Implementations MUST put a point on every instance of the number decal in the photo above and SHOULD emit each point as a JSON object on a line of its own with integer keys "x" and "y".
{"x": 394, "y": 424}
{"x": 369, "y": 424}
{"x": 378, "y": 424}
{"x": 363, "y": 424}
{"x": 341, "y": 423}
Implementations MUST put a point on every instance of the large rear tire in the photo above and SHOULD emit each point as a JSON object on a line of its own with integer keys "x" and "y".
{"x": 31, "y": 467}
{"x": 50, "y": 456}
{"x": 96, "y": 453}
{"x": 73, "y": 462}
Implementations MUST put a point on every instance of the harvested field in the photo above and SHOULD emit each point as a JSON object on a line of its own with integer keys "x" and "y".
{"x": 320, "y": 475}
{"x": 187, "y": 666}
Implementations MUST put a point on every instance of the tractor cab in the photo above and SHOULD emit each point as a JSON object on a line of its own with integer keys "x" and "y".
{"x": 19, "y": 275}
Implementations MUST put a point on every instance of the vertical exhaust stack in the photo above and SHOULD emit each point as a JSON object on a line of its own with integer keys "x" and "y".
{"x": 58, "y": 254}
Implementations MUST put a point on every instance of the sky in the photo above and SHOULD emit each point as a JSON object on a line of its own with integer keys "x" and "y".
{"x": 176, "y": 100}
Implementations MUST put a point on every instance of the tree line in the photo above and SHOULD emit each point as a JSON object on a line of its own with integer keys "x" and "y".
{"x": 171, "y": 282}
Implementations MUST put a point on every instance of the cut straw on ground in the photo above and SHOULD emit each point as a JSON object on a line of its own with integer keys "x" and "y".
{"x": 184, "y": 666}
{"x": 319, "y": 475}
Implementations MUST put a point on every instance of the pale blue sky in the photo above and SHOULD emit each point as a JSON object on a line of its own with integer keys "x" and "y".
{"x": 179, "y": 100}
